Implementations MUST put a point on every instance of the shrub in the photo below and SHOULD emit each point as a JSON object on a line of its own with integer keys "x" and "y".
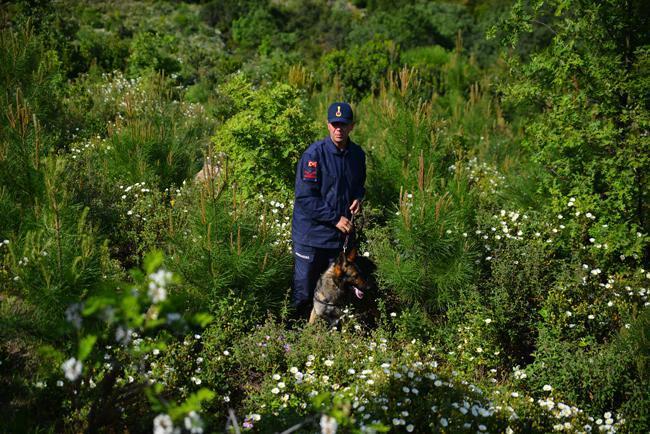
{"x": 232, "y": 248}
{"x": 608, "y": 377}
{"x": 122, "y": 333}
{"x": 416, "y": 25}
{"x": 361, "y": 68}
{"x": 102, "y": 47}
{"x": 250, "y": 30}
{"x": 264, "y": 136}
{"x": 151, "y": 51}
{"x": 424, "y": 260}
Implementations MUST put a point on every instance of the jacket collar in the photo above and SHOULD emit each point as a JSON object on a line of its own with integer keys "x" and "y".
{"x": 331, "y": 147}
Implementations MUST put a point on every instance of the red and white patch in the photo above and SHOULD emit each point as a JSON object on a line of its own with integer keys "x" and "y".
{"x": 310, "y": 171}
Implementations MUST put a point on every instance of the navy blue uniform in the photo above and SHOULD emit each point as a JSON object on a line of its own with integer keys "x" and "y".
{"x": 328, "y": 180}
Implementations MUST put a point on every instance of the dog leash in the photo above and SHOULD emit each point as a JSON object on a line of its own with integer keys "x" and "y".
{"x": 347, "y": 237}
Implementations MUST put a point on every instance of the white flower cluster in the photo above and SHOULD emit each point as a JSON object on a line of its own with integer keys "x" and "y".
{"x": 518, "y": 373}
{"x": 72, "y": 368}
{"x": 482, "y": 173}
{"x": 163, "y": 424}
{"x": 278, "y": 222}
{"x": 133, "y": 193}
{"x": 115, "y": 84}
{"x": 157, "y": 285}
{"x": 89, "y": 145}
{"x": 328, "y": 424}
{"x": 73, "y": 314}
{"x": 193, "y": 423}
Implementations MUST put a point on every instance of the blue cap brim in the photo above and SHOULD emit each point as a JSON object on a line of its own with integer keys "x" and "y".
{"x": 341, "y": 120}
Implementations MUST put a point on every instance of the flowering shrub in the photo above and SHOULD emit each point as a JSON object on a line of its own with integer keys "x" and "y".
{"x": 122, "y": 333}
{"x": 512, "y": 287}
{"x": 309, "y": 380}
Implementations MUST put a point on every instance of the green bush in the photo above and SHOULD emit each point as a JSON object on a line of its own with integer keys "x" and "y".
{"x": 416, "y": 25}
{"x": 101, "y": 47}
{"x": 266, "y": 131}
{"x": 251, "y": 30}
{"x": 424, "y": 259}
{"x": 121, "y": 334}
{"x": 151, "y": 51}
{"x": 32, "y": 122}
{"x": 586, "y": 134}
{"x": 611, "y": 376}
{"x": 432, "y": 56}
{"x": 231, "y": 248}
{"x": 361, "y": 68}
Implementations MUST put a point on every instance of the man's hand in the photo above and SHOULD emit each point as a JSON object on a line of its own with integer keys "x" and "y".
{"x": 356, "y": 206}
{"x": 344, "y": 225}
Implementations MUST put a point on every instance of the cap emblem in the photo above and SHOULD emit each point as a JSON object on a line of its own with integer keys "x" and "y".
{"x": 338, "y": 111}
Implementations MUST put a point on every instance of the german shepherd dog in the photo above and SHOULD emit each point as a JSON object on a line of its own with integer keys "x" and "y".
{"x": 340, "y": 283}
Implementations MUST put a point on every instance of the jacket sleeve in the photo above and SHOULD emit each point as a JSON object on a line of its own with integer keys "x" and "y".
{"x": 308, "y": 191}
{"x": 360, "y": 190}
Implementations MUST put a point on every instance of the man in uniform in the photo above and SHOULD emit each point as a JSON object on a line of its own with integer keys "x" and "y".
{"x": 330, "y": 179}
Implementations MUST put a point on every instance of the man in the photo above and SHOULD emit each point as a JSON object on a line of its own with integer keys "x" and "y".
{"x": 330, "y": 179}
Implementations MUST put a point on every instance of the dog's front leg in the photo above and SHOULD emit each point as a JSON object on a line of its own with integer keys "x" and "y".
{"x": 313, "y": 316}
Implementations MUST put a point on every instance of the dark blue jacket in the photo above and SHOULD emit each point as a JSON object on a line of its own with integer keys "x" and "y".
{"x": 327, "y": 181}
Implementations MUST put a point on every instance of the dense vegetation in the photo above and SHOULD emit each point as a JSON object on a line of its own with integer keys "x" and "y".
{"x": 507, "y": 216}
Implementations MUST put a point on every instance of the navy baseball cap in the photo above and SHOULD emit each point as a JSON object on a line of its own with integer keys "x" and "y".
{"x": 340, "y": 112}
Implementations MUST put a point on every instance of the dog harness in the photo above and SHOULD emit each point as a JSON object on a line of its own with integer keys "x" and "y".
{"x": 326, "y": 303}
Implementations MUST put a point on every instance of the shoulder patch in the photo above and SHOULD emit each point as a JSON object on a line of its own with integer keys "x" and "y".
{"x": 310, "y": 171}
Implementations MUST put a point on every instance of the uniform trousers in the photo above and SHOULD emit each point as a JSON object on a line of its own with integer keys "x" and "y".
{"x": 310, "y": 263}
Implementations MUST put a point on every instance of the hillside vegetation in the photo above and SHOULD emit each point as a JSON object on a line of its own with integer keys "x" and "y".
{"x": 506, "y": 218}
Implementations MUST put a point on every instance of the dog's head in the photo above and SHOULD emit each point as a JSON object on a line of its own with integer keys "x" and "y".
{"x": 348, "y": 275}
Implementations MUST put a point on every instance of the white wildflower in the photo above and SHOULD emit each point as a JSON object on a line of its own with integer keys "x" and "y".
{"x": 162, "y": 424}
{"x": 72, "y": 368}
{"x": 328, "y": 425}
{"x": 193, "y": 423}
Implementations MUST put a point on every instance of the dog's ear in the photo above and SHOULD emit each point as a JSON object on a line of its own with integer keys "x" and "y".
{"x": 352, "y": 254}
{"x": 338, "y": 271}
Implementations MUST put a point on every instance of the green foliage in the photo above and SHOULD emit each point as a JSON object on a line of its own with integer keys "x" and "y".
{"x": 264, "y": 136}
{"x": 32, "y": 122}
{"x": 608, "y": 375}
{"x": 422, "y": 57}
{"x": 147, "y": 53}
{"x": 232, "y": 249}
{"x": 361, "y": 68}
{"x": 589, "y": 137}
{"x": 130, "y": 326}
{"x": 253, "y": 29}
{"x": 506, "y": 215}
{"x": 514, "y": 295}
{"x": 426, "y": 261}
{"x": 415, "y": 25}
{"x": 102, "y": 47}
